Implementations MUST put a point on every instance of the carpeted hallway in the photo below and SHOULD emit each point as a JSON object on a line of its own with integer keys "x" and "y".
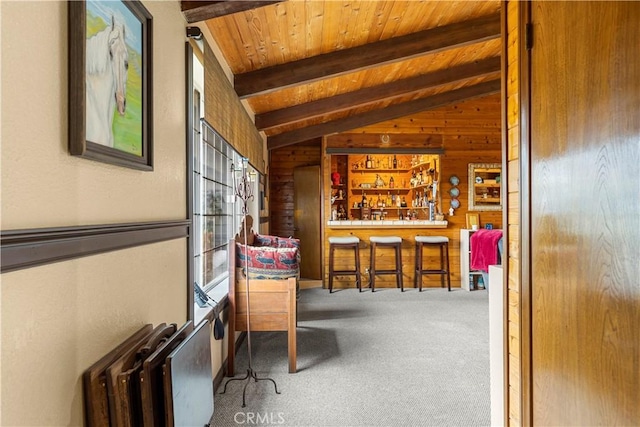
{"x": 370, "y": 359}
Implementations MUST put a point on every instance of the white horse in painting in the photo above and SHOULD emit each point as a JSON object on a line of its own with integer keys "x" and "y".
{"x": 107, "y": 64}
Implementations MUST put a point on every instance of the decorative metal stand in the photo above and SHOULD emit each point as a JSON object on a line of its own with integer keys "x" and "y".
{"x": 244, "y": 192}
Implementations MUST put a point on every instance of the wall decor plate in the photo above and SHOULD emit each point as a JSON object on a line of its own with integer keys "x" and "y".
{"x": 454, "y": 192}
{"x": 454, "y": 180}
{"x": 455, "y": 203}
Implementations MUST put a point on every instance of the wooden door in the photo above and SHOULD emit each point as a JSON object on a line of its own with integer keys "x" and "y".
{"x": 306, "y": 219}
{"x": 585, "y": 213}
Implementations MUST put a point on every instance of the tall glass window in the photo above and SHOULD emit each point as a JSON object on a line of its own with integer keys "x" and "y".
{"x": 217, "y": 215}
{"x": 216, "y": 168}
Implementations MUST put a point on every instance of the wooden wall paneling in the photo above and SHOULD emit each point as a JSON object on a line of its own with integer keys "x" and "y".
{"x": 281, "y": 164}
{"x": 584, "y": 268}
{"x": 508, "y": 210}
{"x": 227, "y": 115}
{"x": 372, "y": 140}
{"x": 480, "y": 142}
{"x": 512, "y": 118}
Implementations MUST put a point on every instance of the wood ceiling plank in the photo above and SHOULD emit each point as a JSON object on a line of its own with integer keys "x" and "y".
{"x": 391, "y": 112}
{"x": 365, "y": 96}
{"x": 373, "y": 77}
{"x": 366, "y": 56}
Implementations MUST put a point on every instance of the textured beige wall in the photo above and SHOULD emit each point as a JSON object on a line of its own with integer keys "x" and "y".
{"x": 42, "y": 185}
{"x": 56, "y": 320}
{"x": 59, "y": 319}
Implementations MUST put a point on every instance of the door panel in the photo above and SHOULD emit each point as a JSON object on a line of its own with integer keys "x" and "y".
{"x": 585, "y": 215}
{"x": 306, "y": 219}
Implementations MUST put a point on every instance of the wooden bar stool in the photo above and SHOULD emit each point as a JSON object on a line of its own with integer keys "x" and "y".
{"x": 386, "y": 242}
{"x": 348, "y": 242}
{"x": 433, "y": 241}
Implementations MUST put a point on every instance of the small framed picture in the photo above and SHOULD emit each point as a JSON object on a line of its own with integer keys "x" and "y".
{"x": 473, "y": 221}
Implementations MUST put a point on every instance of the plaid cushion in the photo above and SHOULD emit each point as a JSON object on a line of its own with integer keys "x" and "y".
{"x": 268, "y": 262}
{"x": 276, "y": 242}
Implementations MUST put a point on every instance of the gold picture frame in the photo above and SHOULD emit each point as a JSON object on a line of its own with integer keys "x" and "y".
{"x": 473, "y": 219}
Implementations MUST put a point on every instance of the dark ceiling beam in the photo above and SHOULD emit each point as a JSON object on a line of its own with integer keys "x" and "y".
{"x": 366, "y": 56}
{"x": 284, "y": 116}
{"x": 384, "y": 114}
{"x": 197, "y": 11}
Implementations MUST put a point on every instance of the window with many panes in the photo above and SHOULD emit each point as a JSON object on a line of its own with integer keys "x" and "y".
{"x": 217, "y": 214}
{"x": 215, "y": 168}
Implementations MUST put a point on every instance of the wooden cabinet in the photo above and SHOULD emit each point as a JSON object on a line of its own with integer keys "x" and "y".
{"x": 339, "y": 191}
{"x": 485, "y": 187}
{"x": 391, "y": 184}
{"x": 496, "y": 343}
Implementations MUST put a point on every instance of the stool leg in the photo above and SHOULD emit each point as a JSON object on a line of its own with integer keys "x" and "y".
{"x": 446, "y": 246}
{"x": 442, "y": 265}
{"x": 358, "y": 277}
{"x": 331, "y": 250}
{"x": 399, "y": 267}
{"x": 372, "y": 267}
{"x": 420, "y": 252}
{"x": 416, "y": 266}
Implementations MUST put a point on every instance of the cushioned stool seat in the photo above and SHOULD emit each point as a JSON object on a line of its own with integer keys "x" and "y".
{"x": 346, "y": 242}
{"x": 432, "y": 241}
{"x": 395, "y": 243}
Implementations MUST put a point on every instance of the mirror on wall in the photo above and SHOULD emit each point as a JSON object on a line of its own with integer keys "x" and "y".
{"x": 485, "y": 187}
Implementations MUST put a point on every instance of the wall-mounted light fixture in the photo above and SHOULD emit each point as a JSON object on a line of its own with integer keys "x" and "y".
{"x": 194, "y": 33}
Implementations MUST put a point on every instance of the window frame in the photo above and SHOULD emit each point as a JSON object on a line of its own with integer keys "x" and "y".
{"x": 226, "y": 176}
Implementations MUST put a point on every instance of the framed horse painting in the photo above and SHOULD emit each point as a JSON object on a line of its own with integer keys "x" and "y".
{"x": 110, "y": 82}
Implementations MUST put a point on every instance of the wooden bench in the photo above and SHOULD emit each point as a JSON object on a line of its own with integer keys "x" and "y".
{"x": 272, "y": 308}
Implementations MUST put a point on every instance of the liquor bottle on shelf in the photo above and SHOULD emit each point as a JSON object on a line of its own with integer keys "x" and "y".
{"x": 391, "y": 182}
{"x": 398, "y": 202}
{"x": 395, "y": 162}
{"x": 388, "y": 201}
{"x": 369, "y": 163}
{"x": 364, "y": 200}
{"x": 342, "y": 213}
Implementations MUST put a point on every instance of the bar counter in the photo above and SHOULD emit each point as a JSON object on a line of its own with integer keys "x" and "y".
{"x": 407, "y": 230}
{"x": 386, "y": 224}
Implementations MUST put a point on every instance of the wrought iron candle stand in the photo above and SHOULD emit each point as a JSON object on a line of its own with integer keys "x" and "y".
{"x": 244, "y": 192}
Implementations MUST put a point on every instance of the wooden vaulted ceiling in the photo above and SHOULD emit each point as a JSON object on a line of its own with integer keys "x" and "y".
{"x": 314, "y": 68}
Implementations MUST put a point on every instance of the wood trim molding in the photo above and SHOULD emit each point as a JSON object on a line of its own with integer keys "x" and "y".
{"x": 526, "y": 295}
{"x": 505, "y": 210}
{"x": 198, "y": 11}
{"x": 20, "y": 249}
